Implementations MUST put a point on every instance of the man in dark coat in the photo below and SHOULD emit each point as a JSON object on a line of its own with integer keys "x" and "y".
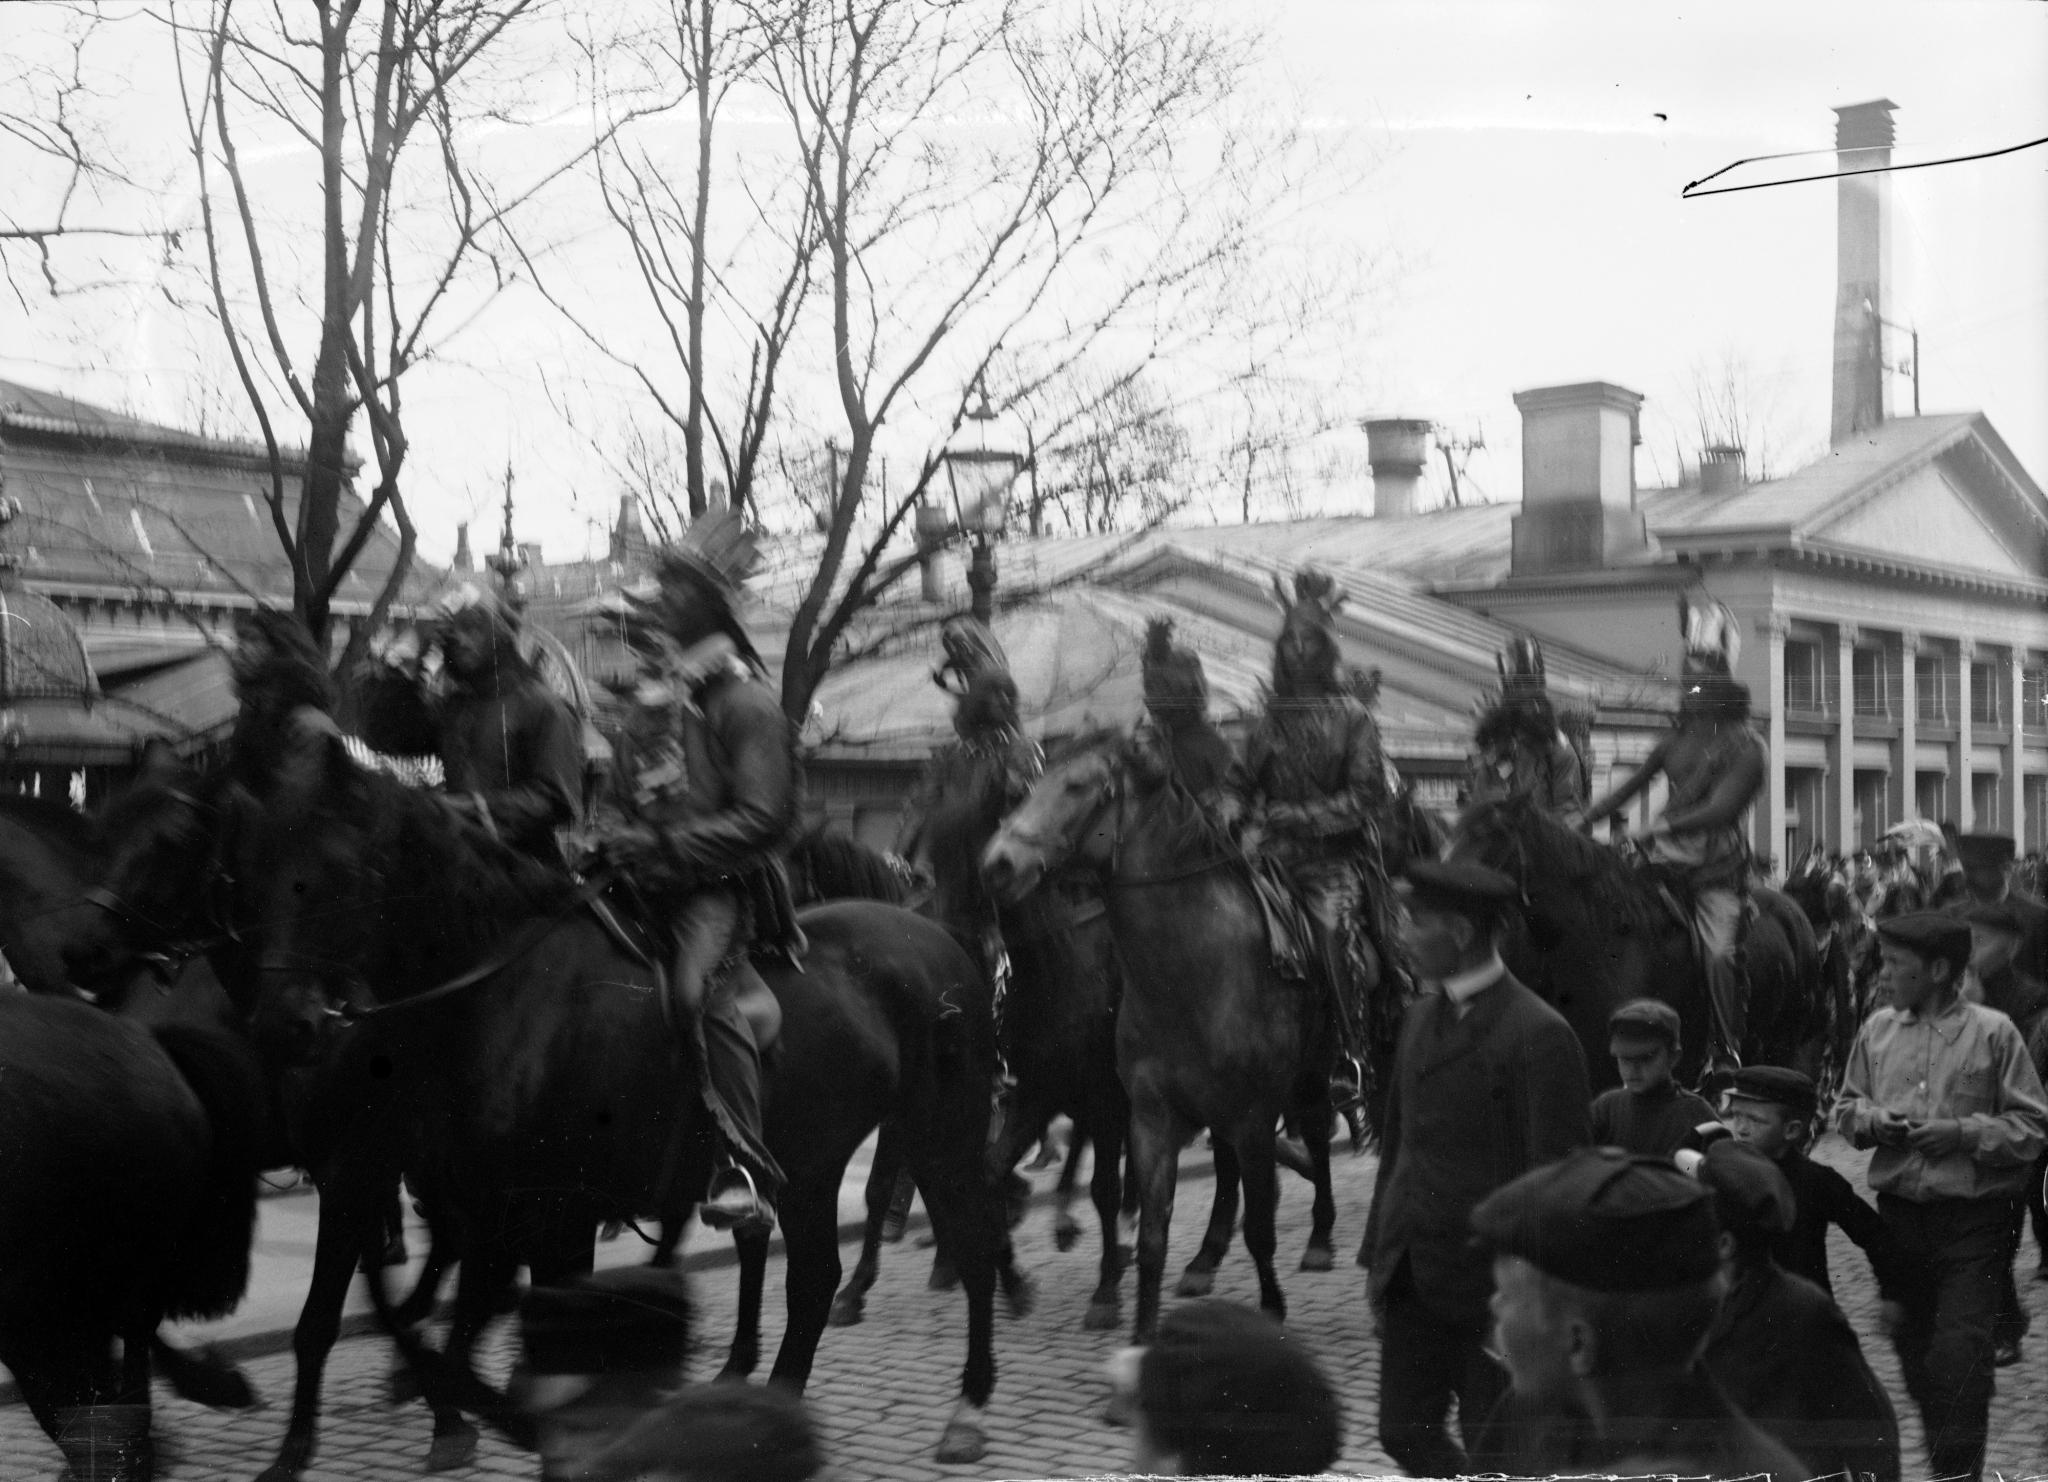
{"x": 1780, "y": 1347}
{"x": 1489, "y": 1082}
{"x": 1987, "y": 862}
{"x": 707, "y": 777}
{"x": 1606, "y": 1270}
{"x": 1177, "y": 700}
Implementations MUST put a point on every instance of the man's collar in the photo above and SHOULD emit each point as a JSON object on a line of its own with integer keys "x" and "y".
{"x": 1461, "y": 988}
{"x": 1953, "y": 1007}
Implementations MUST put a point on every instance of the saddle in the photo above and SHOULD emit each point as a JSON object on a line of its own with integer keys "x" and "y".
{"x": 635, "y": 930}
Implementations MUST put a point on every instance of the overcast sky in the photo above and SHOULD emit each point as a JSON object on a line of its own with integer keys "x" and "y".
{"x": 1525, "y": 196}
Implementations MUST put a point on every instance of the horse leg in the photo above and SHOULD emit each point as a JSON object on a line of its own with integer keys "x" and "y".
{"x": 1200, "y": 1277}
{"x": 1105, "y": 1187}
{"x": 1155, "y": 1140}
{"x": 1318, "y": 1126}
{"x": 746, "y": 1330}
{"x": 810, "y": 1239}
{"x": 483, "y": 1279}
{"x": 348, "y": 1218}
{"x": 967, "y": 1215}
{"x": 1066, "y": 1230}
{"x": 849, "y": 1305}
{"x": 1261, "y": 1203}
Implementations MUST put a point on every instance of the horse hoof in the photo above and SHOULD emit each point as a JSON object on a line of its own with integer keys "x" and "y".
{"x": 1318, "y": 1258}
{"x": 1066, "y": 1234}
{"x": 847, "y": 1312}
{"x": 1101, "y": 1318}
{"x": 405, "y": 1386}
{"x": 452, "y": 1449}
{"x": 1195, "y": 1284}
{"x": 219, "y": 1385}
{"x": 962, "y": 1442}
{"x": 1022, "y": 1295}
{"x": 945, "y": 1276}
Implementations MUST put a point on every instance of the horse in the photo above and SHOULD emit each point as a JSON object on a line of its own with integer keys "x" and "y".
{"x": 1208, "y": 1032}
{"x": 49, "y": 856}
{"x": 128, "y": 1163}
{"x": 505, "y": 1019}
{"x": 1595, "y": 932}
{"x": 1841, "y": 936}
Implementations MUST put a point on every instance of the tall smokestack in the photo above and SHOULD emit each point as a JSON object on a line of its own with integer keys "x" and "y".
{"x": 1863, "y": 141}
{"x": 1396, "y": 448}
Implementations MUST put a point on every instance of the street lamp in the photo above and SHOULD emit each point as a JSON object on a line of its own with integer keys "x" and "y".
{"x": 980, "y": 477}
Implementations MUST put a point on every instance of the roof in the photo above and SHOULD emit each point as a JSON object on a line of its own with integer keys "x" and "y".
{"x": 41, "y": 654}
{"x": 52, "y": 414}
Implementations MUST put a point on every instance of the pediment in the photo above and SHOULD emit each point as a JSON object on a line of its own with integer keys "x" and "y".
{"x": 1928, "y": 516}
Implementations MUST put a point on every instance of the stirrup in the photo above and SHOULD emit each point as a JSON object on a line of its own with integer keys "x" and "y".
{"x": 734, "y": 1209}
{"x": 1347, "y": 1082}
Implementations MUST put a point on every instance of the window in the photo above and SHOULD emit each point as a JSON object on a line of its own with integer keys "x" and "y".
{"x": 1872, "y": 678}
{"x": 1805, "y": 812}
{"x": 1984, "y": 792}
{"x": 2036, "y": 821}
{"x": 1930, "y": 795}
{"x": 1804, "y": 687}
{"x": 1873, "y": 807}
{"x": 2034, "y": 696}
{"x": 1930, "y": 692}
{"x": 1984, "y": 705}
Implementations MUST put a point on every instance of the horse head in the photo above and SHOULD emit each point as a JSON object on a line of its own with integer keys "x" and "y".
{"x": 1073, "y": 816}
{"x": 166, "y": 877}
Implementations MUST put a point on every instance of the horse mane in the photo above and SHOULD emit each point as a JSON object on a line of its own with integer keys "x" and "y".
{"x": 1612, "y": 886}
{"x": 59, "y": 823}
{"x": 840, "y": 867}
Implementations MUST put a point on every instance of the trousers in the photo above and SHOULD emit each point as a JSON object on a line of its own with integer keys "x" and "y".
{"x": 1717, "y": 922}
{"x": 705, "y": 1004}
{"x": 1331, "y": 891}
{"x": 1426, "y": 1361}
{"x": 1951, "y": 1252}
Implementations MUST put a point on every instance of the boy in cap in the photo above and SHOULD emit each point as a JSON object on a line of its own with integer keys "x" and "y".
{"x": 1224, "y": 1390}
{"x": 1607, "y": 1276}
{"x": 1489, "y": 1081}
{"x": 1987, "y": 861}
{"x": 1780, "y": 1348}
{"x": 1648, "y": 1114}
{"x": 1772, "y": 1108}
{"x": 598, "y": 1352}
{"x": 1944, "y": 1091}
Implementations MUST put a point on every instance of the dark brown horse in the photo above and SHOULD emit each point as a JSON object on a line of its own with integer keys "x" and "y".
{"x": 1847, "y": 968}
{"x": 1595, "y": 932}
{"x": 1208, "y": 1033}
{"x": 128, "y": 1162}
{"x": 503, "y": 1018}
{"x": 49, "y": 856}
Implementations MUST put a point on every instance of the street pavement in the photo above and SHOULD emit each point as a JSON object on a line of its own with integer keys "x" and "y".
{"x": 882, "y": 1391}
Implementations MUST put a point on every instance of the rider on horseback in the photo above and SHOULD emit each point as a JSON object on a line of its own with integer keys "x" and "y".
{"x": 1523, "y": 752}
{"x": 706, "y": 777}
{"x": 510, "y": 749}
{"x": 1713, "y": 764}
{"x": 1177, "y": 700}
{"x": 1312, "y": 795}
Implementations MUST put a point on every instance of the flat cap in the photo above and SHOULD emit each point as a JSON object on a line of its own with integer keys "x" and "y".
{"x": 1986, "y": 851}
{"x": 1933, "y": 934}
{"x": 1750, "y": 1194}
{"x": 632, "y": 1317}
{"x": 1645, "y": 1016}
{"x": 734, "y": 1432}
{"x": 1777, "y": 1084}
{"x": 1242, "y": 1391}
{"x": 1601, "y": 1219}
{"x": 2005, "y": 914}
{"x": 1457, "y": 886}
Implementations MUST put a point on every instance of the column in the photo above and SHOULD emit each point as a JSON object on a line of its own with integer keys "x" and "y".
{"x": 1964, "y": 788}
{"x": 1768, "y": 837}
{"x": 2013, "y": 816}
{"x": 1846, "y": 635}
{"x": 1906, "y": 777}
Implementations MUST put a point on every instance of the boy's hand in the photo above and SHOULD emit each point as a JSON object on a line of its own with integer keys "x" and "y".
{"x": 1935, "y": 1139}
{"x": 1890, "y": 1130}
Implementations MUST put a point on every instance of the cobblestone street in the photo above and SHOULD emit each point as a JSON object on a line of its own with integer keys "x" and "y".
{"x": 882, "y": 1391}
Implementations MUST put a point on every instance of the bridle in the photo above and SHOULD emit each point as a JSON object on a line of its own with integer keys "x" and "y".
{"x": 1112, "y": 796}
{"x": 177, "y": 945}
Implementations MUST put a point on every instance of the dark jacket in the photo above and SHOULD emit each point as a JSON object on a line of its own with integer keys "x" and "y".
{"x": 519, "y": 750}
{"x": 1823, "y": 1197}
{"x": 717, "y": 784}
{"x": 1654, "y": 1124}
{"x": 1198, "y": 757}
{"x": 1678, "y": 1422}
{"x": 1314, "y": 770}
{"x": 1786, "y": 1357}
{"x": 1475, "y": 1102}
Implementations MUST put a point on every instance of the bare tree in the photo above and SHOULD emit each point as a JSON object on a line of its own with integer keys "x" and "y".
{"x": 410, "y": 240}
{"x": 1118, "y": 458}
{"x": 1732, "y": 405}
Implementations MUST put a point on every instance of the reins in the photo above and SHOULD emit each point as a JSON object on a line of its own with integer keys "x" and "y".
{"x": 525, "y": 940}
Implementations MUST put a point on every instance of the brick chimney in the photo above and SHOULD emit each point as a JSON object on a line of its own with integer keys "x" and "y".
{"x": 464, "y": 561}
{"x": 1578, "y": 479}
{"x": 1863, "y": 141}
{"x": 629, "y": 540}
{"x": 1721, "y": 469}
{"x": 1396, "y": 448}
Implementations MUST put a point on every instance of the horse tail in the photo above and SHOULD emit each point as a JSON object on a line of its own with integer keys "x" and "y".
{"x": 209, "y": 1256}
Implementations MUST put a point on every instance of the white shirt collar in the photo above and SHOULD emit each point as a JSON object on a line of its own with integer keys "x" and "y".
{"x": 1462, "y": 988}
